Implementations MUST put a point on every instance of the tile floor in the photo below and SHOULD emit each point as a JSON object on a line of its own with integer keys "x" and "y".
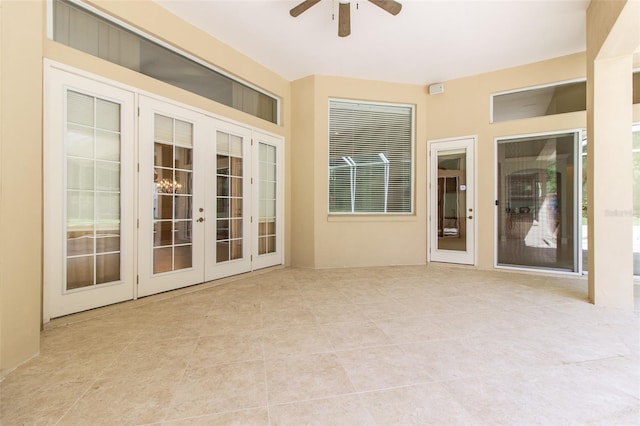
{"x": 387, "y": 346}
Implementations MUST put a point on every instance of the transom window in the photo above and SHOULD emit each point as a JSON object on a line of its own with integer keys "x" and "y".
{"x": 370, "y": 158}
{"x": 79, "y": 26}
{"x": 539, "y": 101}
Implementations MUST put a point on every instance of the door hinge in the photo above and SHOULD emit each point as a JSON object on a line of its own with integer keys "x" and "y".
{"x": 252, "y": 258}
{"x": 251, "y": 142}
{"x": 251, "y": 181}
{"x": 251, "y": 219}
{"x": 138, "y": 111}
{"x": 138, "y": 167}
{"x": 137, "y": 223}
{"x": 137, "y": 279}
{"x": 497, "y": 203}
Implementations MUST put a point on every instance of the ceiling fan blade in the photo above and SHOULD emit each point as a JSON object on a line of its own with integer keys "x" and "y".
{"x": 344, "y": 19}
{"x": 391, "y": 6}
{"x": 302, "y": 7}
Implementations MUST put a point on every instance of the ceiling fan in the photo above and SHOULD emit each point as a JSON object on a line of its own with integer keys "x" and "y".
{"x": 344, "y": 12}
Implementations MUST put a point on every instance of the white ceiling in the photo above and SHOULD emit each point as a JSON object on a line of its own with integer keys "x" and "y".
{"x": 428, "y": 41}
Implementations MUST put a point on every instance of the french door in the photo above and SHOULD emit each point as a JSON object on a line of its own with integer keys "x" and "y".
{"x": 209, "y": 204}
{"x": 171, "y": 198}
{"x": 228, "y": 245}
{"x": 89, "y": 184}
{"x": 452, "y": 209}
{"x": 203, "y": 200}
{"x": 268, "y": 206}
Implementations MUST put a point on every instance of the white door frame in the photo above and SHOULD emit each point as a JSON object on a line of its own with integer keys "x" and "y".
{"x": 57, "y": 301}
{"x": 276, "y": 258}
{"x": 579, "y": 134}
{"x": 213, "y": 269}
{"x": 148, "y": 282}
{"x": 468, "y": 257}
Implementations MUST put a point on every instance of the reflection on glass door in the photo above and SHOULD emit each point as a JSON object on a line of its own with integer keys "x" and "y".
{"x": 538, "y": 217}
{"x": 267, "y": 199}
{"x": 93, "y": 191}
{"x": 171, "y": 229}
{"x": 173, "y": 194}
{"x": 229, "y": 197}
{"x": 452, "y": 204}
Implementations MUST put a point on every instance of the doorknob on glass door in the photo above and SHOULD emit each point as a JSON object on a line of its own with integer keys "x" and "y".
{"x": 201, "y": 219}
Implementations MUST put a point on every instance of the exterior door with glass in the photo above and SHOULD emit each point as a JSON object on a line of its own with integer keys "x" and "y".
{"x": 172, "y": 196}
{"x": 538, "y": 192}
{"x": 268, "y": 206}
{"x": 452, "y": 201}
{"x": 228, "y": 194}
{"x": 89, "y": 230}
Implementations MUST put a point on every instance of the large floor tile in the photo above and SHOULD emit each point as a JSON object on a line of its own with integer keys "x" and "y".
{"x": 350, "y": 335}
{"x": 251, "y": 417}
{"x": 299, "y": 340}
{"x": 337, "y": 411}
{"x": 220, "y": 388}
{"x": 413, "y": 328}
{"x": 128, "y": 400}
{"x": 282, "y": 318}
{"x": 381, "y": 367}
{"x": 552, "y": 395}
{"x": 226, "y": 348}
{"x": 306, "y": 377}
{"x": 425, "y": 404}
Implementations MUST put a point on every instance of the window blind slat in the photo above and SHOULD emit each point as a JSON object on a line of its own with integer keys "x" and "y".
{"x": 370, "y": 157}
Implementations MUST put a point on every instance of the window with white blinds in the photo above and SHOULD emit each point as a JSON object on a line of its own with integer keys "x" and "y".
{"x": 370, "y": 158}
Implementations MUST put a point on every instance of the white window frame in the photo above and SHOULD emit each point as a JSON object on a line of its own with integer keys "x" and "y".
{"x": 525, "y": 89}
{"x": 413, "y": 155}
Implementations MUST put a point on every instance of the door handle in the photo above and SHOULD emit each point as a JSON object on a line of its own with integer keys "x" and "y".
{"x": 200, "y": 219}
{"x": 469, "y": 217}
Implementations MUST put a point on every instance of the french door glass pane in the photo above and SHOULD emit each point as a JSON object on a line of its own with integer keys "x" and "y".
{"x": 537, "y": 208}
{"x": 266, "y": 199}
{"x": 452, "y": 200}
{"x": 93, "y": 191}
{"x": 229, "y": 196}
{"x": 173, "y": 194}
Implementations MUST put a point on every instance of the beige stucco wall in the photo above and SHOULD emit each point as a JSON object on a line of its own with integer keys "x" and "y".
{"x": 20, "y": 181}
{"x": 462, "y": 110}
{"x": 324, "y": 241}
{"x": 303, "y": 170}
{"x": 613, "y": 35}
